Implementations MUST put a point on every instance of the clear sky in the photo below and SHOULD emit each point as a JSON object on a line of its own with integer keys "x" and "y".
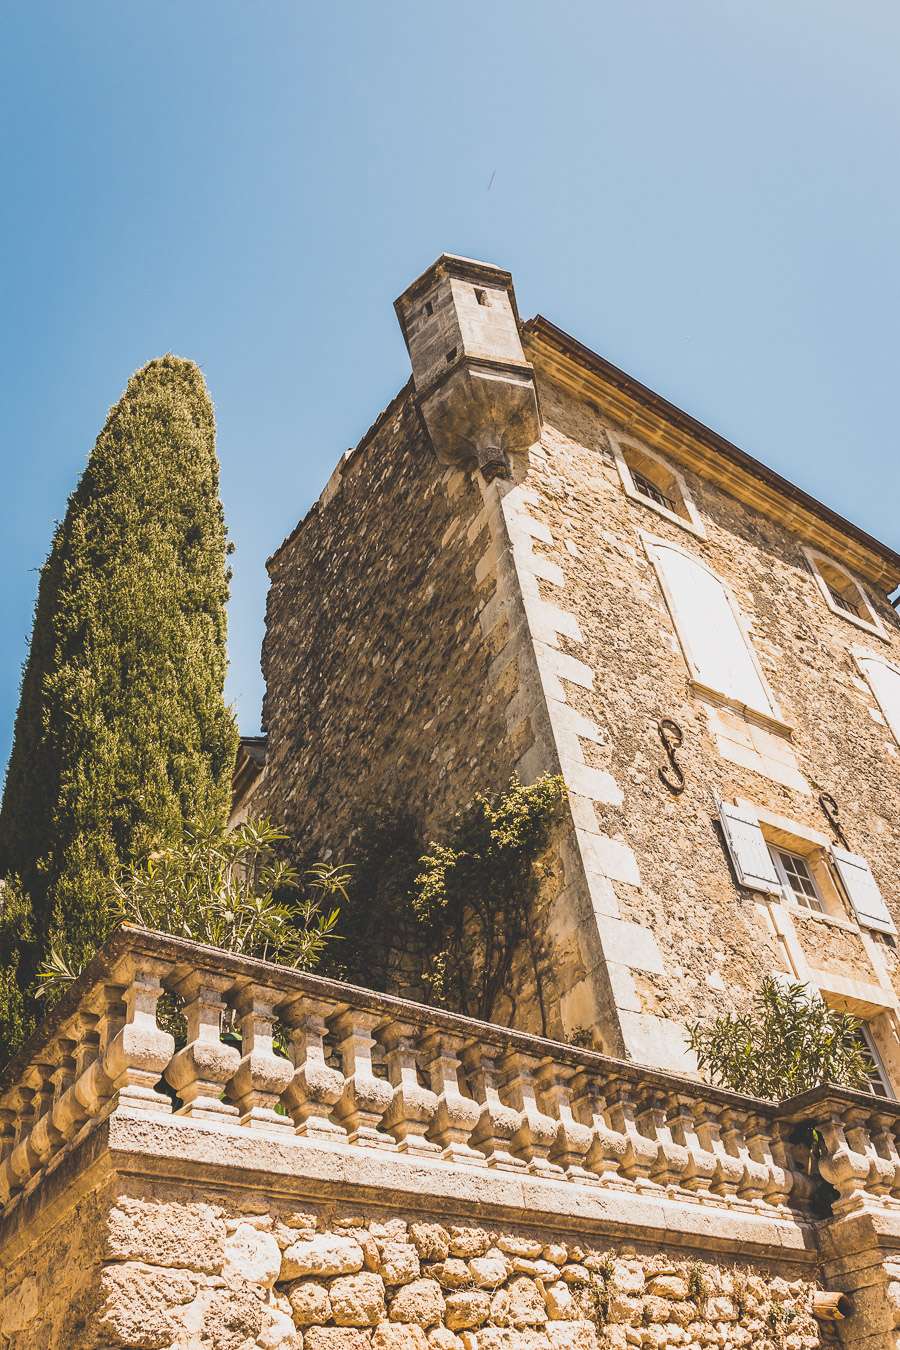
{"x": 703, "y": 191}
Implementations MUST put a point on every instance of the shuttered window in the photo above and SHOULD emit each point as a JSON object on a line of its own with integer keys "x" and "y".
{"x": 885, "y": 682}
{"x": 749, "y": 851}
{"x": 716, "y": 650}
{"x": 862, "y": 890}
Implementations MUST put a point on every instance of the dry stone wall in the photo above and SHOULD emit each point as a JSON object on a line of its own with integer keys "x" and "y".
{"x": 170, "y": 1272}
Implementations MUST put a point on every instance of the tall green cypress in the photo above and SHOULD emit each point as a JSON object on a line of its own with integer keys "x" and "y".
{"x": 122, "y": 730}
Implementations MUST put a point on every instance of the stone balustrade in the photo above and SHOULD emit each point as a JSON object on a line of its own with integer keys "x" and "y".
{"x": 366, "y": 1071}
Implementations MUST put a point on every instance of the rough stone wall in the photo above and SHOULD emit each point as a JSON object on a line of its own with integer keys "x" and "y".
{"x": 671, "y": 874}
{"x": 169, "y": 1271}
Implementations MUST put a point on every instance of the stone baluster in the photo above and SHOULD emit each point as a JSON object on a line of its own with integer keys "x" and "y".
{"x": 884, "y": 1139}
{"x": 573, "y": 1140}
{"x": 672, "y": 1157}
{"x": 316, "y": 1088}
{"x": 412, "y": 1107}
{"x": 758, "y": 1134}
{"x": 608, "y": 1147}
{"x": 802, "y": 1184}
{"x": 857, "y": 1122}
{"x": 21, "y": 1162}
{"x": 69, "y": 1113}
{"x": 136, "y": 1059}
{"x": 755, "y": 1180}
{"x": 200, "y": 1071}
{"x": 103, "y": 1020}
{"x": 700, "y": 1166}
{"x": 497, "y": 1123}
{"x": 536, "y": 1134}
{"x": 641, "y": 1154}
{"x": 729, "y": 1172}
{"x": 364, "y": 1098}
{"x": 46, "y": 1137}
{"x": 845, "y": 1168}
{"x": 456, "y": 1115}
{"x": 261, "y": 1076}
{"x": 7, "y": 1133}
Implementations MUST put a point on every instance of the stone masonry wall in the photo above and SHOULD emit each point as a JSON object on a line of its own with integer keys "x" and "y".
{"x": 166, "y": 1270}
{"x": 664, "y": 856}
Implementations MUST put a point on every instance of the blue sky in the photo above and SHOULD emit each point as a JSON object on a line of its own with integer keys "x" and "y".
{"x": 704, "y": 192}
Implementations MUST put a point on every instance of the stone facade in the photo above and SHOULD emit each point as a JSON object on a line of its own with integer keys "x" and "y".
{"x": 462, "y": 604}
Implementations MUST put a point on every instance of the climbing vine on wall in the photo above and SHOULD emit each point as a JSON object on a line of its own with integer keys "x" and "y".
{"x": 463, "y": 906}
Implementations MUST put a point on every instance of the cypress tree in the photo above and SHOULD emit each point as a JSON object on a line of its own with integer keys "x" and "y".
{"x": 122, "y": 731}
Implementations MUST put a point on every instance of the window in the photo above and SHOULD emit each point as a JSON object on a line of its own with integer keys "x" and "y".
{"x": 842, "y": 593}
{"x": 783, "y": 858}
{"x": 878, "y": 1080}
{"x": 716, "y": 648}
{"x": 649, "y": 480}
{"x": 884, "y": 679}
{"x": 796, "y": 878}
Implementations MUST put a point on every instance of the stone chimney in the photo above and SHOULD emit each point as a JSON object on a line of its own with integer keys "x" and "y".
{"x": 474, "y": 388}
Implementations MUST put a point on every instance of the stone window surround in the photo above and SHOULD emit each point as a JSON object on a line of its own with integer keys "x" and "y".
{"x": 873, "y": 624}
{"x": 811, "y": 845}
{"x": 772, "y": 720}
{"x": 692, "y": 522}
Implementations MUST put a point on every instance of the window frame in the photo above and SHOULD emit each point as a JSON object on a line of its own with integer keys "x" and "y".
{"x": 772, "y": 716}
{"x": 877, "y": 1062}
{"x": 872, "y": 624}
{"x": 815, "y": 904}
{"x": 692, "y": 521}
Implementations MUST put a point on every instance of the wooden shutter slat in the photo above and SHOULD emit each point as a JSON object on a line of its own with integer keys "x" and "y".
{"x": 862, "y": 890}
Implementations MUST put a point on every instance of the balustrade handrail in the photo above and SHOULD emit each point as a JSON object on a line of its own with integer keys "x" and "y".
{"x": 357, "y": 1075}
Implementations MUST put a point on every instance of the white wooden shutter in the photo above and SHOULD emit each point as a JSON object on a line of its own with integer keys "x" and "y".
{"x": 862, "y": 889}
{"x": 885, "y": 682}
{"x": 713, "y": 642}
{"x": 749, "y": 851}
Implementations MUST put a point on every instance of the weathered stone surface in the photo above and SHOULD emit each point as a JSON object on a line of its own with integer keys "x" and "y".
{"x": 466, "y": 1309}
{"x": 526, "y": 1303}
{"x": 278, "y": 1332}
{"x": 431, "y": 1241}
{"x": 439, "y": 1338}
{"x": 451, "y": 1274}
{"x": 138, "y": 1300}
{"x": 309, "y": 1302}
{"x": 358, "y": 1300}
{"x": 667, "y": 1286}
{"x": 421, "y": 1301}
{"x": 399, "y": 1336}
{"x": 468, "y": 1242}
{"x": 230, "y": 1318}
{"x": 324, "y": 1255}
{"x": 489, "y": 1272}
{"x": 399, "y": 1263}
{"x": 572, "y": 1335}
{"x": 166, "y": 1234}
{"x": 562, "y": 1305}
{"x": 336, "y": 1338}
{"x": 251, "y": 1256}
{"x": 530, "y": 1248}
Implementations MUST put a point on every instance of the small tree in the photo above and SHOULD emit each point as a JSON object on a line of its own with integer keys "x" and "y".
{"x": 790, "y": 1041}
{"x": 228, "y": 889}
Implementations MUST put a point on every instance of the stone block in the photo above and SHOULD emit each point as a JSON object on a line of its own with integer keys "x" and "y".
{"x": 357, "y": 1300}
{"x": 520, "y": 1246}
{"x": 421, "y": 1301}
{"x": 278, "y": 1332}
{"x": 337, "y": 1338}
{"x": 230, "y": 1318}
{"x": 581, "y": 1335}
{"x": 323, "y": 1255}
{"x": 431, "y": 1241}
{"x": 526, "y": 1303}
{"x": 399, "y": 1263}
{"x": 251, "y": 1257}
{"x": 562, "y": 1305}
{"x": 451, "y": 1274}
{"x": 656, "y": 1309}
{"x": 505, "y": 1338}
{"x": 489, "y": 1272}
{"x": 439, "y": 1338}
{"x": 468, "y": 1242}
{"x": 668, "y": 1286}
{"x": 556, "y": 1253}
{"x": 467, "y": 1309}
{"x": 137, "y": 1301}
{"x": 166, "y": 1234}
{"x": 398, "y": 1336}
{"x": 309, "y": 1302}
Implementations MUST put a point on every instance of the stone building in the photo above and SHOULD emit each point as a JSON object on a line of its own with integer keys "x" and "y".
{"x": 532, "y": 563}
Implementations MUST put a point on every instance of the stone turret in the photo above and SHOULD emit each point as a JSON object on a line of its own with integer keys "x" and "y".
{"x": 474, "y": 388}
